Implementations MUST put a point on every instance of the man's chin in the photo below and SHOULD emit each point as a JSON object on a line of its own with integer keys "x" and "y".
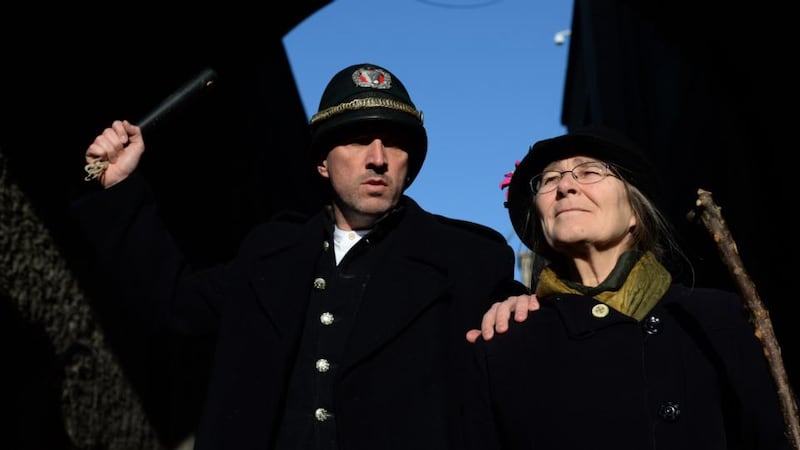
{"x": 375, "y": 206}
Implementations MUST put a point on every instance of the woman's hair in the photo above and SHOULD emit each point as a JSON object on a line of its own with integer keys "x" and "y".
{"x": 652, "y": 233}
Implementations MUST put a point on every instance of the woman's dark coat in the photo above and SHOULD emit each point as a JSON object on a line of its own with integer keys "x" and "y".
{"x": 691, "y": 375}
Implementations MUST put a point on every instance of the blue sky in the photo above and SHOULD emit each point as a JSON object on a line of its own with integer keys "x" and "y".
{"x": 487, "y": 75}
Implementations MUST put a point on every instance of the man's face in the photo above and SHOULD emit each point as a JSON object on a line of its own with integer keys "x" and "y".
{"x": 368, "y": 172}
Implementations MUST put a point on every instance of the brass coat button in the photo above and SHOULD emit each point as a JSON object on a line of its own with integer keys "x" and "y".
{"x": 600, "y": 310}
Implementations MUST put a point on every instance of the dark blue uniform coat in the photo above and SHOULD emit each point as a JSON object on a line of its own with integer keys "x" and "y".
{"x": 400, "y": 379}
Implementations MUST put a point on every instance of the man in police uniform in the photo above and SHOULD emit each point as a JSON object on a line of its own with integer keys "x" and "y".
{"x": 344, "y": 330}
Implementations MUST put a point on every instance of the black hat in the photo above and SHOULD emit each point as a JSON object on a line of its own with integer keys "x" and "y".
{"x": 596, "y": 141}
{"x": 367, "y": 94}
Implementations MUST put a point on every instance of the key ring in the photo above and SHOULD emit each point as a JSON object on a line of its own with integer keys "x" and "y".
{"x": 95, "y": 169}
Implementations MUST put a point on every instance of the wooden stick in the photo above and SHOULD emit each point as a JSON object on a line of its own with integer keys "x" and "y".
{"x": 712, "y": 219}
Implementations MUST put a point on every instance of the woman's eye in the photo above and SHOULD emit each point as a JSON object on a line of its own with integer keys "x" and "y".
{"x": 550, "y": 179}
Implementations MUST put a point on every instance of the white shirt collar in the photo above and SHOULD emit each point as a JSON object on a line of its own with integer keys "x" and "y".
{"x": 344, "y": 240}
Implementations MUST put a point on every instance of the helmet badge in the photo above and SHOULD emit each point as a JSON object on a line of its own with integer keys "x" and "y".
{"x": 372, "y": 78}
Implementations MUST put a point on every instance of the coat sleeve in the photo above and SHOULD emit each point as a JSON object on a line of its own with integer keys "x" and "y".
{"x": 479, "y": 423}
{"x": 136, "y": 262}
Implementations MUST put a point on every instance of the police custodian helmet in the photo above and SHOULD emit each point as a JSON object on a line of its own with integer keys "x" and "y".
{"x": 367, "y": 95}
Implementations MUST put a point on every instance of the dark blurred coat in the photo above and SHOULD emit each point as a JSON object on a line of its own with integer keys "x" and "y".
{"x": 398, "y": 382}
{"x": 691, "y": 375}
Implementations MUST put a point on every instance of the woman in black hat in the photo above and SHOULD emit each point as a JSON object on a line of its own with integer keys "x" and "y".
{"x": 620, "y": 355}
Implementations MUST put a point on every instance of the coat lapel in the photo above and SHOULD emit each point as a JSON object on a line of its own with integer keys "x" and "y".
{"x": 283, "y": 272}
{"x": 412, "y": 275}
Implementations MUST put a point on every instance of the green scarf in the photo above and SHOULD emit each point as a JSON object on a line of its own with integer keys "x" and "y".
{"x": 633, "y": 288}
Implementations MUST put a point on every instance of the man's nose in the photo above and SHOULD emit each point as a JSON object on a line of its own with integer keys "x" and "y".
{"x": 376, "y": 153}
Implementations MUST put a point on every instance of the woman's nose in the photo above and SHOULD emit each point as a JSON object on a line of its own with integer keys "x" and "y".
{"x": 570, "y": 182}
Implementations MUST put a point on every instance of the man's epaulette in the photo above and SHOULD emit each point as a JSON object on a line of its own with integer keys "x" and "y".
{"x": 473, "y": 227}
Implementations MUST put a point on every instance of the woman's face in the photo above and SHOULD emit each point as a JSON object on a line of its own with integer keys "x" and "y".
{"x": 579, "y": 218}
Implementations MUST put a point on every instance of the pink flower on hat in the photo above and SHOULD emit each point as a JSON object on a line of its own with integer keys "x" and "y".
{"x": 507, "y": 180}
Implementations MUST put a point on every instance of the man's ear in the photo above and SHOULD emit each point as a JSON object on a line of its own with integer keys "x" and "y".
{"x": 322, "y": 168}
